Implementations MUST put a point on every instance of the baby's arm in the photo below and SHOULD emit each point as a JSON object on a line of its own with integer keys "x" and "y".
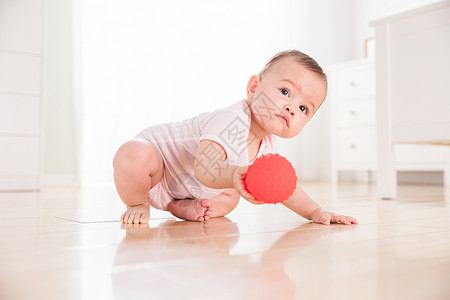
{"x": 303, "y": 205}
{"x": 212, "y": 171}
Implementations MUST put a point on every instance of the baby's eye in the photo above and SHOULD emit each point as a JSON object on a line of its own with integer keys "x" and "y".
{"x": 284, "y": 92}
{"x": 303, "y": 109}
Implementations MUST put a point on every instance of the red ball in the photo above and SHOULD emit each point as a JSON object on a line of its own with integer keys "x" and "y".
{"x": 270, "y": 179}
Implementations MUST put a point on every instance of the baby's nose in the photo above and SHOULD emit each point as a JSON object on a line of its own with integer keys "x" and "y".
{"x": 290, "y": 110}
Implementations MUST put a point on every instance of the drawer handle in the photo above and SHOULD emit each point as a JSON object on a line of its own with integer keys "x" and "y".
{"x": 352, "y": 83}
{"x": 353, "y": 146}
{"x": 353, "y": 113}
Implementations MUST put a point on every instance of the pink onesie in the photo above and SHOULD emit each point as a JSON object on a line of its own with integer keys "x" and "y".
{"x": 178, "y": 143}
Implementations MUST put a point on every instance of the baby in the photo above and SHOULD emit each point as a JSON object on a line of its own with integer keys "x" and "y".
{"x": 194, "y": 168}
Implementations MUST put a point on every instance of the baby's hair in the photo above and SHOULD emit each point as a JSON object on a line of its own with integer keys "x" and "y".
{"x": 300, "y": 57}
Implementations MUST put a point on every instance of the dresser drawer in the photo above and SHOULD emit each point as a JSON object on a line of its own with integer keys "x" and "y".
{"x": 356, "y": 145}
{"x": 354, "y": 83}
{"x": 421, "y": 157}
{"x": 19, "y": 156}
{"x": 20, "y": 73}
{"x": 19, "y": 114}
{"x": 355, "y": 113}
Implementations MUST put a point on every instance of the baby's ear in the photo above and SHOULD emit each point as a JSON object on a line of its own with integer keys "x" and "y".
{"x": 251, "y": 86}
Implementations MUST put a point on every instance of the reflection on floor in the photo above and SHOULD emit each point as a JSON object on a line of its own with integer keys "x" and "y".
{"x": 68, "y": 244}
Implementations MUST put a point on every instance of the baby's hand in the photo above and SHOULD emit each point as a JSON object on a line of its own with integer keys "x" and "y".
{"x": 324, "y": 217}
{"x": 238, "y": 183}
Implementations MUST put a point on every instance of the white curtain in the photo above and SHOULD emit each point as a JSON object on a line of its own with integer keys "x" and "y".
{"x": 148, "y": 62}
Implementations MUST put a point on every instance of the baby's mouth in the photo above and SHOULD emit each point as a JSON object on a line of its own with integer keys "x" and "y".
{"x": 286, "y": 119}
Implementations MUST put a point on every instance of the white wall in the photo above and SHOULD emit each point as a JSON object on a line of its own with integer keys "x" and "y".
{"x": 60, "y": 154}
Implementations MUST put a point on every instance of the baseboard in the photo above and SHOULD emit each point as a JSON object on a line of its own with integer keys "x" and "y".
{"x": 59, "y": 180}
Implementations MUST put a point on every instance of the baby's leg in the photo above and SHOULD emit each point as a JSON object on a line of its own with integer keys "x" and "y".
{"x": 203, "y": 209}
{"x": 224, "y": 203}
{"x": 138, "y": 166}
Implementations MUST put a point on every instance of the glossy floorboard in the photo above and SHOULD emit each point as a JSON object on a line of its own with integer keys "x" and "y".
{"x": 68, "y": 244}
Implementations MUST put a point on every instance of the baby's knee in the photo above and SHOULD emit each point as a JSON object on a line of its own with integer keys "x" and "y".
{"x": 132, "y": 154}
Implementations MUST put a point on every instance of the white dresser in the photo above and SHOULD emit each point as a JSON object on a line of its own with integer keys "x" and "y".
{"x": 353, "y": 129}
{"x": 21, "y": 82}
{"x": 413, "y": 85}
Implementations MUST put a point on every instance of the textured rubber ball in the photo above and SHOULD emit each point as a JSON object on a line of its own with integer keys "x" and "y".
{"x": 270, "y": 179}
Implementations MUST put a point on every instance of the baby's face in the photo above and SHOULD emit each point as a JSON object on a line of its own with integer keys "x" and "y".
{"x": 285, "y": 98}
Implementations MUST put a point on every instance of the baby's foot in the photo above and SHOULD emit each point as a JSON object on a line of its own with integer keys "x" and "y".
{"x": 136, "y": 214}
{"x": 191, "y": 210}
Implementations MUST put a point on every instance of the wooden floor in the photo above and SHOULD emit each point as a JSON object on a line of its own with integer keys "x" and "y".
{"x": 69, "y": 244}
